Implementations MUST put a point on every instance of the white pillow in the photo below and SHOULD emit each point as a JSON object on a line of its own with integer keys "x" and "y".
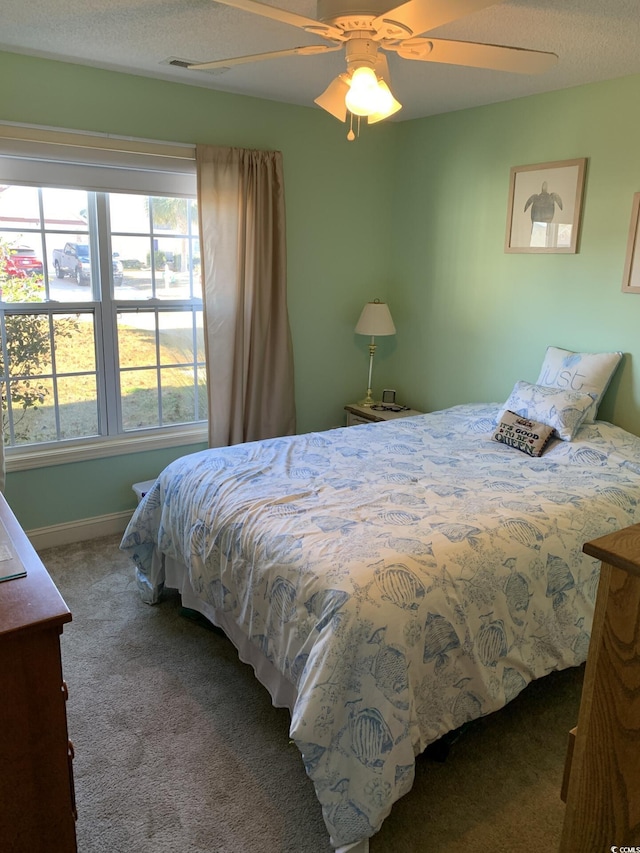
{"x": 565, "y": 411}
{"x": 586, "y": 372}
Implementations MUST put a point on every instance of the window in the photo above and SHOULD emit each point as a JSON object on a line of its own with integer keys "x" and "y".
{"x": 101, "y": 320}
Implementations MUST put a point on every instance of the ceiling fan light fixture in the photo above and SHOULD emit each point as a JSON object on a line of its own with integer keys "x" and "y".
{"x": 337, "y": 97}
{"x": 370, "y": 96}
{"x": 333, "y": 98}
{"x": 363, "y": 97}
{"x": 388, "y": 105}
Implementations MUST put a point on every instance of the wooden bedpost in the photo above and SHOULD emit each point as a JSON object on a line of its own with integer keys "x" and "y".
{"x": 603, "y": 794}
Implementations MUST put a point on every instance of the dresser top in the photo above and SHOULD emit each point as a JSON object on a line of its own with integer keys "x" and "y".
{"x": 620, "y": 549}
{"x": 31, "y": 602}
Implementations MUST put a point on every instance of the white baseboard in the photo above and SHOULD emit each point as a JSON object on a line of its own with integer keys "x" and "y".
{"x": 79, "y": 531}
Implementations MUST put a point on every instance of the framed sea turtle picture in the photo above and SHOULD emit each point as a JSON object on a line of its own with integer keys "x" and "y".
{"x": 545, "y": 202}
{"x": 631, "y": 275}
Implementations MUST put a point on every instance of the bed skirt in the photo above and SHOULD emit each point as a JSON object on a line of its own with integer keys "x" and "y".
{"x": 283, "y": 693}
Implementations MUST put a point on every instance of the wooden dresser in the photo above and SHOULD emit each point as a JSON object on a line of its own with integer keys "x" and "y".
{"x": 37, "y": 803}
{"x": 602, "y": 775}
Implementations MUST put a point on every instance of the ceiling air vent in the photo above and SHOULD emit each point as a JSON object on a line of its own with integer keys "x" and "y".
{"x": 185, "y": 63}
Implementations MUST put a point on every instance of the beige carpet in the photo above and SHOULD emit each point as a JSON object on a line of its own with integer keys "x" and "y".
{"x": 178, "y": 749}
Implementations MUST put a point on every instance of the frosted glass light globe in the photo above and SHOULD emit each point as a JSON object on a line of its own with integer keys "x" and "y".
{"x": 362, "y": 97}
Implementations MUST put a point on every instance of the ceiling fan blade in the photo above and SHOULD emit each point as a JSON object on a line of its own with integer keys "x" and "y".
{"x": 419, "y": 16}
{"x": 307, "y": 50}
{"x": 333, "y": 98}
{"x": 310, "y": 25}
{"x": 493, "y": 56}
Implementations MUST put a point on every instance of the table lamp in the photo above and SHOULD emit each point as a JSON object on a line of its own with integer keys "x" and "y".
{"x": 375, "y": 319}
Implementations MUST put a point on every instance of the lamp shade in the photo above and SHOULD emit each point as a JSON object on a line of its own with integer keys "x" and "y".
{"x": 375, "y": 320}
{"x": 332, "y": 99}
{"x": 388, "y": 104}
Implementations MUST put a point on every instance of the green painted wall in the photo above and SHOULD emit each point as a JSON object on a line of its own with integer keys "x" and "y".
{"x": 414, "y": 213}
{"x": 84, "y": 490}
{"x": 471, "y": 319}
{"x": 339, "y": 246}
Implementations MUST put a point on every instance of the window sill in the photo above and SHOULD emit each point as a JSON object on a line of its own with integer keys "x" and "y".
{"x": 25, "y": 458}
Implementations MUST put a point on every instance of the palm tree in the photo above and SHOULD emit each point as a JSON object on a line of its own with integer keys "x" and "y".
{"x": 172, "y": 213}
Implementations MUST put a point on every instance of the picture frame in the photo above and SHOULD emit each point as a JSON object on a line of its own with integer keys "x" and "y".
{"x": 544, "y": 207}
{"x": 631, "y": 275}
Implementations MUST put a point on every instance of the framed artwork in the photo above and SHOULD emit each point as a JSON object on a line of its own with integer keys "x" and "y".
{"x": 545, "y": 202}
{"x": 631, "y": 276}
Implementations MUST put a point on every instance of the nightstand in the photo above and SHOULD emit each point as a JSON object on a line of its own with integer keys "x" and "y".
{"x": 367, "y": 415}
{"x": 141, "y": 489}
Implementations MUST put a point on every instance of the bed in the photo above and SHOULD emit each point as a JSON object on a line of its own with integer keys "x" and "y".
{"x": 389, "y": 582}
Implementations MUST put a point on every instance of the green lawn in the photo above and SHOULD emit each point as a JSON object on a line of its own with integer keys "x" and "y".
{"x": 140, "y": 396}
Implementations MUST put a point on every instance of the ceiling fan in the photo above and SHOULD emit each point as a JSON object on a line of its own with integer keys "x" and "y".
{"x": 366, "y": 28}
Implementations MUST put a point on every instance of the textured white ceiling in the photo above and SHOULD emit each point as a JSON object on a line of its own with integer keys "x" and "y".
{"x": 594, "y": 39}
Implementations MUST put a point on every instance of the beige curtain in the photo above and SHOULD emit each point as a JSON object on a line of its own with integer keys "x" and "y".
{"x": 247, "y": 335}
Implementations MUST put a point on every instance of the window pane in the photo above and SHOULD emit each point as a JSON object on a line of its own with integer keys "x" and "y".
{"x": 182, "y": 378}
{"x": 28, "y": 344}
{"x": 78, "y": 402}
{"x": 176, "y": 337}
{"x": 31, "y": 404}
{"x": 66, "y": 210}
{"x": 20, "y": 242}
{"x": 179, "y": 403}
{"x": 34, "y": 424}
{"x": 66, "y": 221}
{"x": 70, "y": 266}
{"x": 170, "y": 214}
{"x": 139, "y": 390}
{"x": 176, "y": 268}
{"x": 129, "y": 213}
{"x": 76, "y": 372}
{"x": 137, "y": 339}
{"x": 74, "y": 337}
{"x": 19, "y": 209}
{"x": 183, "y": 395}
{"x": 27, "y": 385}
{"x": 20, "y": 280}
{"x": 134, "y": 255}
{"x": 165, "y": 263}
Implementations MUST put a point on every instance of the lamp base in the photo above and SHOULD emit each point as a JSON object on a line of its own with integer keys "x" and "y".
{"x": 368, "y": 400}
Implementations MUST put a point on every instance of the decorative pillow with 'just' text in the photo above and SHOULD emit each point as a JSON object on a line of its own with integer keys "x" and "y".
{"x": 584, "y": 372}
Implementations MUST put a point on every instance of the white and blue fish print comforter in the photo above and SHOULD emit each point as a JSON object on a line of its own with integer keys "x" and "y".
{"x": 406, "y": 577}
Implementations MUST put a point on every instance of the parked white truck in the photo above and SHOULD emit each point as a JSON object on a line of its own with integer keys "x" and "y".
{"x": 75, "y": 261}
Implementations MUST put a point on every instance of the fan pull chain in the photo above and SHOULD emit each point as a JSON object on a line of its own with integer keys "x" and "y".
{"x": 351, "y": 135}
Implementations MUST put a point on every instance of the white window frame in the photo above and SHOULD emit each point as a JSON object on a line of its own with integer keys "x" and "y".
{"x": 40, "y": 156}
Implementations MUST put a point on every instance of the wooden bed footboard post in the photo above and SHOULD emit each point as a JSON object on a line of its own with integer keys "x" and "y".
{"x": 603, "y": 795}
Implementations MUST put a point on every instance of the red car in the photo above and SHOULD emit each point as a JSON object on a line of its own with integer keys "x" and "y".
{"x": 22, "y": 262}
